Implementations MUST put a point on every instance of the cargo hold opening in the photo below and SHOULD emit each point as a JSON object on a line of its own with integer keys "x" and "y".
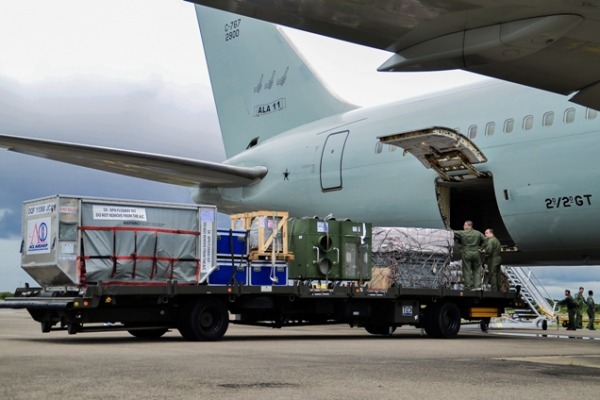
{"x": 463, "y": 191}
{"x": 471, "y": 199}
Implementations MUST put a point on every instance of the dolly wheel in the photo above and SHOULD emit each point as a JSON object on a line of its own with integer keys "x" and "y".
{"x": 443, "y": 320}
{"x": 484, "y": 324}
{"x": 205, "y": 319}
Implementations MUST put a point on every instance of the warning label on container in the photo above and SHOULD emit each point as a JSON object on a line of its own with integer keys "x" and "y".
{"x": 68, "y": 209}
{"x": 38, "y": 236}
{"x": 207, "y": 222}
{"x": 119, "y": 213}
{"x": 322, "y": 227}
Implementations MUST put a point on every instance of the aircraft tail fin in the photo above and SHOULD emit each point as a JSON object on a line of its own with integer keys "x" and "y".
{"x": 261, "y": 84}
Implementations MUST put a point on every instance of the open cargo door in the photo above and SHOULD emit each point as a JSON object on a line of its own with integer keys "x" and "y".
{"x": 463, "y": 191}
{"x": 446, "y": 151}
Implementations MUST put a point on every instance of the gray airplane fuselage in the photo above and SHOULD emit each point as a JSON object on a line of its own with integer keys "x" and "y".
{"x": 542, "y": 197}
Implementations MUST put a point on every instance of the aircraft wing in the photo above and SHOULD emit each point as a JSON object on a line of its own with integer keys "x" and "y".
{"x": 551, "y": 44}
{"x": 155, "y": 167}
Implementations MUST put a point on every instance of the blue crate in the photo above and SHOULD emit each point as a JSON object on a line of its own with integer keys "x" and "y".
{"x": 262, "y": 273}
{"x": 228, "y": 273}
{"x": 231, "y": 243}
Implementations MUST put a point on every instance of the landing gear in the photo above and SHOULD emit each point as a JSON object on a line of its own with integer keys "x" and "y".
{"x": 205, "y": 319}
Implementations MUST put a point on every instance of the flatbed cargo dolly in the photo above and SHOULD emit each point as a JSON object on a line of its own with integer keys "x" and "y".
{"x": 147, "y": 268}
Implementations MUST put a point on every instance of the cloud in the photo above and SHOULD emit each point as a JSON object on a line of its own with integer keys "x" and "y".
{"x": 151, "y": 116}
{"x": 4, "y": 212}
{"x": 554, "y": 280}
{"x": 11, "y": 274}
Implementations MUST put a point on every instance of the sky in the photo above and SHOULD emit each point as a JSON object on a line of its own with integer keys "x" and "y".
{"x": 131, "y": 74}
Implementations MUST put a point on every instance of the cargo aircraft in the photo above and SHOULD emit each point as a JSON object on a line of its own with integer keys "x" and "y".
{"x": 517, "y": 159}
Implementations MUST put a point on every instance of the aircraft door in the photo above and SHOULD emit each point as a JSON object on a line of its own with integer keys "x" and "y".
{"x": 331, "y": 161}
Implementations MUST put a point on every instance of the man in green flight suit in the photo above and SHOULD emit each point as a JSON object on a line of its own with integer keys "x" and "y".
{"x": 571, "y": 309}
{"x": 470, "y": 241}
{"x": 591, "y": 310}
{"x": 491, "y": 249}
{"x": 580, "y": 300}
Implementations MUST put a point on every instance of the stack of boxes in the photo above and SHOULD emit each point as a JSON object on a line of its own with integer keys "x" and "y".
{"x": 255, "y": 251}
{"x": 232, "y": 260}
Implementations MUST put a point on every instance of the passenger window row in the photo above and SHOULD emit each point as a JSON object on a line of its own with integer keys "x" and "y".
{"x": 548, "y": 120}
{"x": 509, "y": 125}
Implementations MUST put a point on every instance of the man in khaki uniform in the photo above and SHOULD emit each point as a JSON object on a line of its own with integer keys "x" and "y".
{"x": 493, "y": 260}
{"x": 581, "y": 304}
{"x": 571, "y": 309}
{"x": 591, "y": 310}
{"x": 470, "y": 240}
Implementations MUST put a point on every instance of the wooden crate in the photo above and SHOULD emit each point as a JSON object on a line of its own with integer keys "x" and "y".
{"x": 265, "y": 240}
{"x": 381, "y": 278}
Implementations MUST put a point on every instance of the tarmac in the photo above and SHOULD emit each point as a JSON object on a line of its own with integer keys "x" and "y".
{"x": 310, "y": 362}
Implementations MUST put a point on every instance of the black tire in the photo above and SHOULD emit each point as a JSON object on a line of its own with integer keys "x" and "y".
{"x": 205, "y": 319}
{"x": 73, "y": 328}
{"x": 46, "y": 326}
{"x": 148, "y": 333}
{"x": 484, "y": 324}
{"x": 385, "y": 330}
{"x": 443, "y": 321}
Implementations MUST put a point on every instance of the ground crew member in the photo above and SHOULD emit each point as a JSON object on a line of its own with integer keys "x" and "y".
{"x": 580, "y": 306}
{"x": 591, "y": 310}
{"x": 470, "y": 241}
{"x": 491, "y": 249}
{"x": 571, "y": 309}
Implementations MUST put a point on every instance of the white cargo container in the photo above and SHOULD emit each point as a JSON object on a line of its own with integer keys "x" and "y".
{"x": 72, "y": 240}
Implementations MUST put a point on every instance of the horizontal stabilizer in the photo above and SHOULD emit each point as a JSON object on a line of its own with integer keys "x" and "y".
{"x": 155, "y": 167}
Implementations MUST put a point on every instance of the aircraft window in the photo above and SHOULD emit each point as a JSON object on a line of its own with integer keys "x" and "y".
{"x": 591, "y": 113}
{"x": 528, "y": 122}
{"x": 472, "y": 131}
{"x": 378, "y": 147}
{"x": 509, "y": 125}
{"x": 548, "y": 119}
{"x": 569, "y": 115}
{"x": 490, "y": 128}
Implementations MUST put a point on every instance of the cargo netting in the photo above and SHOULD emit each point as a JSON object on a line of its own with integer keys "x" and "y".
{"x": 415, "y": 257}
